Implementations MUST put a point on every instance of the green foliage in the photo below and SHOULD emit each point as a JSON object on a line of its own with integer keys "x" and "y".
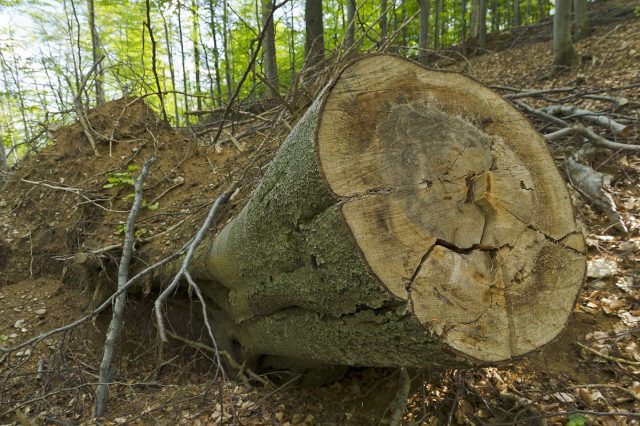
{"x": 45, "y": 57}
{"x": 122, "y": 229}
{"x": 576, "y": 420}
{"x": 124, "y": 179}
{"x": 120, "y": 179}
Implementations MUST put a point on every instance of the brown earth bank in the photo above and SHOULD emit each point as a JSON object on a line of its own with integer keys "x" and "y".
{"x": 55, "y": 205}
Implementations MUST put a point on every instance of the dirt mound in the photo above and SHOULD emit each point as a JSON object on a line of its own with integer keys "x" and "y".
{"x": 66, "y": 201}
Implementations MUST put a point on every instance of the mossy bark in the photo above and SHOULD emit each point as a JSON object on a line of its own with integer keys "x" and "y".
{"x": 406, "y": 221}
{"x": 295, "y": 283}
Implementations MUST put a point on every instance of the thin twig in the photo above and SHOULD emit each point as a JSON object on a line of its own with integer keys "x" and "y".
{"x": 609, "y": 357}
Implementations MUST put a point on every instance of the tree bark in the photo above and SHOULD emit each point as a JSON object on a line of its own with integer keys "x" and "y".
{"x": 351, "y": 23}
{"x": 541, "y": 13}
{"x": 463, "y": 26}
{"x": 517, "y": 20}
{"x": 95, "y": 51}
{"x": 383, "y": 21}
{"x": 583, "y": 27}
{"x": 564, "y": 54}
{"x": 436, "y": 25}
{"x": 495, "y": 16}
{"x": 4, "y": 166}
{"x": 269, "y": 49}
{"x": 216, "y": 52}
{"x": 195, "y": 38}
{"x": 412, "y": 218}
{"x": 482, "y": 23}
{"x": 172, "y": 73}
{"x": 314, "y": 37}
{"x": 185, "y": 79}
{"x": 423, "y": 43}
{"x": 228, "y": 72}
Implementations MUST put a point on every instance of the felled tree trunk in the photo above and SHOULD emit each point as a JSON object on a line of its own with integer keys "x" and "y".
{"x": 412, "y": 218}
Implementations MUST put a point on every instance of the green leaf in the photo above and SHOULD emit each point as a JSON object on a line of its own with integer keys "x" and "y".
{"x": 132, "y": 167}
{"x": 576, "y": 420}
{"x": 108, "y": 185}
{"x": 153, "y": 206}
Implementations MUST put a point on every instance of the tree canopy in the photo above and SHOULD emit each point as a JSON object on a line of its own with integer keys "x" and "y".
{"x": 192, "y": 54}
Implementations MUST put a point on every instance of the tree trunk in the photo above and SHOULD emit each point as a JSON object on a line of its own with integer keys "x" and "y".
{"x": 516, "y": 13}
{"x": 351, "y": 23}
{"x": 269, "y": 49}
{"x": 95, "y": 51}
{"x": 412, "y": 218}
{"x": 541, "y": 14}
{"x": 185, "y": 79}
{"x": 292, "y": 44}
{"x": 383, "y": 21}
{"x": 482, "y": 24}
{"x": 195, "y": 38}
{"x": 564, "y": 55}
{"x": 463, "y": 26}
{"x": 495, "y": 16}
{"x": 475, "y": 12}
{"x": 425, "y": 6}
{"x": 436, "y": 25}
{"x": 314, "y": 38}
{"x": 4, "y": 166}
{"x": 172, "y": 73}
{"x": 228, "y": 72}
{"x": 583, "y": 27}
{"x": 216, "y": 52}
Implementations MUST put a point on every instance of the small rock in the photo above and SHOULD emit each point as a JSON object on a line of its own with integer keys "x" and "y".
{"x": 13, "y": 335}
{"x": 41, "y": 311}
{"x": 3, "y": 203}
{"x": 279, "y": 416}
{"x": 601, "y": 268}
{"x": 23, "y": 353}
{"x": 297, "y": 418}
{"x": 19, "y": 324}
{"x": 24, "y": 330}
{"x": 310, "y": 418}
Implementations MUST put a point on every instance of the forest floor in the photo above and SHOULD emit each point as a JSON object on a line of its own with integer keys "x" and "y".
{"x": 55, "y": 205}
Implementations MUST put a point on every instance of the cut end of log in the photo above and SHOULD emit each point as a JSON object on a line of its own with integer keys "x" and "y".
{"x": 455, "y": 204}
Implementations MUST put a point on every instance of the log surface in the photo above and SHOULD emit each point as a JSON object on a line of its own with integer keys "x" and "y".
{"x": 412, "y": 218}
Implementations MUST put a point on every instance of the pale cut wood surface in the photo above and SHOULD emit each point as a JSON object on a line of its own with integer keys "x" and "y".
{"x": 455, "y": 203}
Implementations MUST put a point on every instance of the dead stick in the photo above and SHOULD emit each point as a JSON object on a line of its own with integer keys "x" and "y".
{"x": 609, "y": 357}
{"x": 593, "y": 137}
{"x": 113, "y": 333}
{"x": 217, "y": 205}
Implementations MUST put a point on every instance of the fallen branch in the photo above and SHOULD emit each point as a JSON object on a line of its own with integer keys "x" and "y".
{"x": 400, "y": 403}
{"x": 192, "y": 246}
{"x": 592, "y": 137}
{"x": 570, "y": 111}
{"x": 609, "y": 357}
{"x": 567, "y": 129}
{"x": 232, "y": 362}
{"x": 113, "y": 333}
{"x": 76, "y": 191}
{"x": 531, "y": 93}
{"x": 596, "y": 187}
